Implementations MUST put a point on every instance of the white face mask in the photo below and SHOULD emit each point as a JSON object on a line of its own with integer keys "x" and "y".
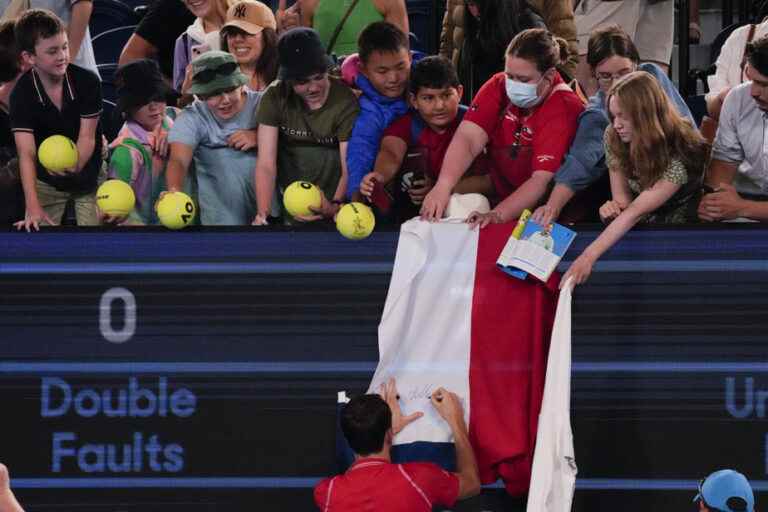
{"x": 522, "y": 95}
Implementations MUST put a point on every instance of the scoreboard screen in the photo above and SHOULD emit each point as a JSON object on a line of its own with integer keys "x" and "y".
{"x": 199, "y": 370}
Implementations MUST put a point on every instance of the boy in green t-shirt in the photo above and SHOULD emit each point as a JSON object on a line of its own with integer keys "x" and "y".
{"x": 305, "y": 120}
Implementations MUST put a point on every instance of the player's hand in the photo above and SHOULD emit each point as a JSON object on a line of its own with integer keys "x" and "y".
{"x": 722, "y": 204}
{"x": 369, "y": 181}
{"x": 33, "y": 217}
{"x": 420, "y": 188}
{"x": 448, "y": 406}
{"x": 476, "y": 219}
{"x": 388, "y": 392}
{"x": 580, "y": 270}
{"x": 434, "y": 204}
{"x": 610, "y": 210}
{"x": 243, "y": 140}
{"x": 260, "y": 220}
{"x": 545, "y": 215}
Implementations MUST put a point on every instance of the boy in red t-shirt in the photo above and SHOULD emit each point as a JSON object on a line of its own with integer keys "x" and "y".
{"x": 413, "y": 147}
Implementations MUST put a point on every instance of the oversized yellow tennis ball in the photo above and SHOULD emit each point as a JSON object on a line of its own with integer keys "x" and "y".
{"x": 299, "y": 196}
{"x": 115, "y": 198}
{"x": 355, "y": 221}
{"x": 57, "y": 153}
{"x": 176, "y": 210}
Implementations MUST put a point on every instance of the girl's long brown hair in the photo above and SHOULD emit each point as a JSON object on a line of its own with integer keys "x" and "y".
{"x": 659, "y": 132}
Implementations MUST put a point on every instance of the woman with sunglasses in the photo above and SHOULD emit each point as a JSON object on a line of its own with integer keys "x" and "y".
{"x": 524, "y": 118}
{"x": 250, "y": 34}
{"x": 305, "y": 121}
{"x": 218, "y": 133}
{"x": 611, "y": 54}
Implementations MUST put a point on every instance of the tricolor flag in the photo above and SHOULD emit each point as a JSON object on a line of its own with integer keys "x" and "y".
{"x": 453, "y": 319}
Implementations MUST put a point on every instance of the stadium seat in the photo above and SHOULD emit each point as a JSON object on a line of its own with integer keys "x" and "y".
{"x": 112, "y": 23}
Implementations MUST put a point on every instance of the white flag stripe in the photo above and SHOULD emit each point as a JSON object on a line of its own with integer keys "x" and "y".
{"x": 553, "y": 477}
{"x": 424, "y": 335}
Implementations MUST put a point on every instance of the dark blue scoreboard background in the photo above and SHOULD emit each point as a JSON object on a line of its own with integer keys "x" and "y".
{"x": 198, "y": 370}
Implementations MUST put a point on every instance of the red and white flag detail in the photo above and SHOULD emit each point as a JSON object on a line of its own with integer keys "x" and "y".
{"x": 453, "y": 319}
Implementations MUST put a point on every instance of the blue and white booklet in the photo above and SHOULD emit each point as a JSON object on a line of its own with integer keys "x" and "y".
{"x": 534, "y": 249}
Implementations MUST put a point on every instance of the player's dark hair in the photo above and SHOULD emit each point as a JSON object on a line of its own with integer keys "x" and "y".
{"x": 9, "y": 52}
{"x": 380, "y": 36}
{"x": 36, "y": 24}
{"x": 365, "y": 421}
{"x": 434, "y": 72}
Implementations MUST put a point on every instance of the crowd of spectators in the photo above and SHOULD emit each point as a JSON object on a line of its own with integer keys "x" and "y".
{"x": 563, "y": 109}
{"x": 559, "y": 107}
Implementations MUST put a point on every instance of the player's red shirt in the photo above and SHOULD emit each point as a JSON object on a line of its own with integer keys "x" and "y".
{"x": 373, "y": 484}
{"x": 523, "y": 141}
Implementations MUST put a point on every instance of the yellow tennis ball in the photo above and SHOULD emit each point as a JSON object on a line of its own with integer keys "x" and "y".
{"x": 115, "y": 198}
{"x": 176, "y": 210}
{"x": 57, "y": 153}
{"x": 299, "y": 196}
{"x": 355, "y": 221}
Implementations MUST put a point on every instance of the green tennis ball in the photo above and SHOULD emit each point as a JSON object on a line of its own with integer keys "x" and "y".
{"x": 115, "y": 198}
{"x": 299, "y": 196}
{"x": 176, "y": 210}
{"x": 355, "y": 221}
{"x": 57, "y": 153}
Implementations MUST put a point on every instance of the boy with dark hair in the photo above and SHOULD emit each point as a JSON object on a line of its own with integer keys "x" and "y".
{"x": 373, "y": 482}
{"x": 11, "y": 67}
{"x": 384, "y": 69}
{"x": 415, "y": 144}
{"x": 55, "y": 98}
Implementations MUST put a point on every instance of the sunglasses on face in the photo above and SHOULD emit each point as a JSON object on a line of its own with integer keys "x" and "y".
{"x": 208, "y": 75}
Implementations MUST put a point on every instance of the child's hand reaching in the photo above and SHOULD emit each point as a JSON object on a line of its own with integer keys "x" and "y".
{"x": 369, "y": 181}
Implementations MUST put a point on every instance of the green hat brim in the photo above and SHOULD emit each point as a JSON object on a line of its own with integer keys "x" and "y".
{"x": 218, "y": 84}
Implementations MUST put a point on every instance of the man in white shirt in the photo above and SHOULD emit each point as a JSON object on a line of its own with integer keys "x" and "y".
{"x": 737, "y": 191}
{"x": 730, "y": 65}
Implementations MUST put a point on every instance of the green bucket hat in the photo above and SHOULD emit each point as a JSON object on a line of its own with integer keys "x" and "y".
{"x": 215, "y": 71}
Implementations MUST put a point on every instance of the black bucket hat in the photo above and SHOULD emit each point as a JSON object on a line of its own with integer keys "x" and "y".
{"x": 140, "y": 82}
{"x": 301, "y": 54}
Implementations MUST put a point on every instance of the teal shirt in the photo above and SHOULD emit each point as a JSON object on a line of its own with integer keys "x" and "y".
{"x": 224, "y": 175}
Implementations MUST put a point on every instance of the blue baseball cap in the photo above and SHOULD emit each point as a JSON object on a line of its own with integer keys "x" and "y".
{"x": 727, "y": 490}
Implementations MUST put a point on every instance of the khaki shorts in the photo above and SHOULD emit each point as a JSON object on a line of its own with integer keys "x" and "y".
{"x": 54, "y": 202}
{"x": 650, "y": 26}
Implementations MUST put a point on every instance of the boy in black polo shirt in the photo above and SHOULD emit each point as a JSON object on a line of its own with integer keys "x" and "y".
{"x": 55, "y": 98}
